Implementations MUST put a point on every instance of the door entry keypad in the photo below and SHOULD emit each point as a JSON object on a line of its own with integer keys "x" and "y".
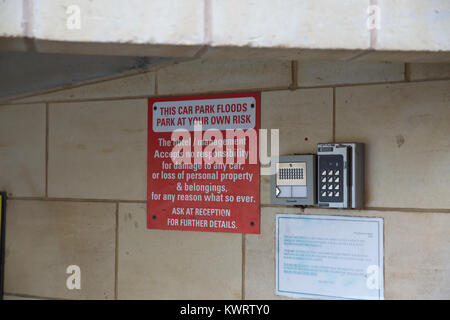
{"x": 331, "y": 174}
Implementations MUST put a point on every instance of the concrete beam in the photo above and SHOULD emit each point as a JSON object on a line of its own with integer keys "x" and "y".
{"x": 362, "y": 30}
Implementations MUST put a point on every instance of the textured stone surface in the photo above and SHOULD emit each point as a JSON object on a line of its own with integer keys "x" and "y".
{"x": 328, "y": 73}
{"x": 11, "y": 297}
{"x": 161, "y": 264}
{"x": 302, "y": 24}
{"x": 406, "y": 129}
{"x": 60, "y": 234}
{"x": 97, "y": 150}
{"x": 136, "y": 21}
{"x": 279, "y": 53}
{"x": 132, "y": 86}
{"x": 219, "y": 75}
{"x": 413, "y": 25}
{"x": 172, "y": 50}
{"x": 11, "y": 18}
{"x": 421, "y": 71}
{"x": 405, "y": 56}
{"x": 186, "y": 29}
{"x": 22, "y": 150}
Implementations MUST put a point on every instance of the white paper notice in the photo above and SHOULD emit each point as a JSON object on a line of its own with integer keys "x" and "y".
{"x": 329, "y": 257}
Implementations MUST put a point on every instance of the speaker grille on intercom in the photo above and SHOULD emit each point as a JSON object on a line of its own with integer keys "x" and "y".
{"x": 291, "y": 173}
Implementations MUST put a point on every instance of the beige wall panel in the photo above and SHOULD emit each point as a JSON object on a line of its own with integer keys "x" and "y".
{"x": 406, "y": 128}
{"x": 22, "y": 150}
{"x": 98, "y": 150}
{"x": 44, "y": 238}
{"x": 209, "y": 75}
{"x": 162, "y": 264}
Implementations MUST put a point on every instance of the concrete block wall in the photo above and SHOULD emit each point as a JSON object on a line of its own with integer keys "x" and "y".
{"x": 74, "y": 165}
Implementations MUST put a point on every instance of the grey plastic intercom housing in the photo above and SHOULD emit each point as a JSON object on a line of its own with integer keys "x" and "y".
{"x": 294, "y": 181}
{"x": 353, "y": 173}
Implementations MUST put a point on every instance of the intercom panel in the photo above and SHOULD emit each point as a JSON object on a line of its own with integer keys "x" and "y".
{"x": 340, "y": 175}
{"x": 294, "y": 181}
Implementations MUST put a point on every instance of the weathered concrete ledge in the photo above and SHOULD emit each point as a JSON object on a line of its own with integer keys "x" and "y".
{"x": 360, "y": 30}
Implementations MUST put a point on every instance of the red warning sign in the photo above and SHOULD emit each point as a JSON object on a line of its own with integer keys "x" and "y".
{"x": 203, "y": 163}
